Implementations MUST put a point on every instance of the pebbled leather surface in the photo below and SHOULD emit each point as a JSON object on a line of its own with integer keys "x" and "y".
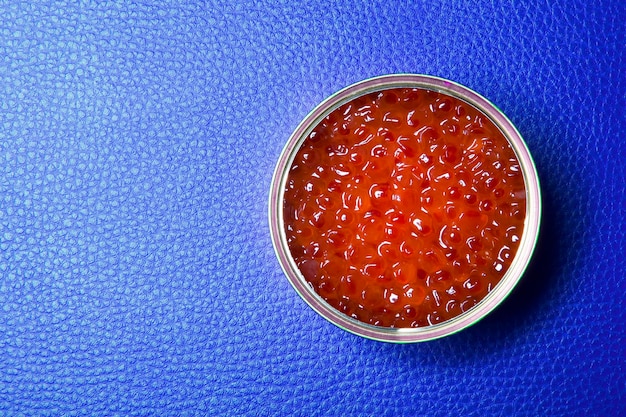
{"x": 137, "y": 144}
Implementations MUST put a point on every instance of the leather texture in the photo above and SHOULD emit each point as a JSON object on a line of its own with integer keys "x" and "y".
{"x": 137, "y": 144}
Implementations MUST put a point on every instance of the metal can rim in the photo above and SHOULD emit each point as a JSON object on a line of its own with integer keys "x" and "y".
{"x": 508, "y": 282}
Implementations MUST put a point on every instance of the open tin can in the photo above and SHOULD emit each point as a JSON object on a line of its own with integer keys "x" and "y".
{"x": 519, "y": 259}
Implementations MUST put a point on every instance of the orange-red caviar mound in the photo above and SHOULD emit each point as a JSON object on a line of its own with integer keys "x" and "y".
{"x": 404, "y": 208}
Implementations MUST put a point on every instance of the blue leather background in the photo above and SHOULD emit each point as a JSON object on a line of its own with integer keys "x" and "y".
{"x": 137, "y": 145}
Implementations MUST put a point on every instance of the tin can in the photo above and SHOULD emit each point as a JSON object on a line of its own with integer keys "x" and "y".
{"x": 494, "y": 297}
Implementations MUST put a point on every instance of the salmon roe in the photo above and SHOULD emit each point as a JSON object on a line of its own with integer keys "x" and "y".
{"x": 404, "y": 208}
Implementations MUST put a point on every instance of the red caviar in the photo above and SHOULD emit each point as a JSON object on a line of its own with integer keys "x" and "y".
{"x": 404, "y": 208}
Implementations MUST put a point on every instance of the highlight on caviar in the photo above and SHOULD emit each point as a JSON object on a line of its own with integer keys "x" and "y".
{"x": 404, "y": 208}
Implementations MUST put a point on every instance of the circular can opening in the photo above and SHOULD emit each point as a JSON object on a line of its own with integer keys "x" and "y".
{"x": 404, "y": 208}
